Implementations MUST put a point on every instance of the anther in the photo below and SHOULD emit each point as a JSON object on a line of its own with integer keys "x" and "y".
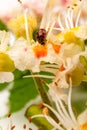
{"x": 9, "y": 115}
{"x": 30, "y": 128}
{"x": 45, "y": 111}
{"x": 43, "y": 82}
{"x": 68, "y": 7}
{"x": 41, "y": 105}
{"x": 24, "y": 126}
{"x": 20, "y": 1}
{"x": 30, "y": 119}
{"x": 75, "y": 4}
{"x": 12, "y": 127}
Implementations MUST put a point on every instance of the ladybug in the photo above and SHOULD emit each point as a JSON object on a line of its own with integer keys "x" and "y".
{"x": 41, "y": 36}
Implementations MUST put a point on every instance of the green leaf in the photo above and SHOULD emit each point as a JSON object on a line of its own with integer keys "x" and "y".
{"x": 3, "y": 86}
{"x": 22, "y": 92}
{"x": 19, "y": 74}
{"x": 3, "y": 26}
{"x": 79, "y": 98}
{"x": 38, "y": 121}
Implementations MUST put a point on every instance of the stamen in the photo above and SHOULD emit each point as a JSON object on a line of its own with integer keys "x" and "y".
{"x": 62, "y": 111}
{"x": 51, "y": 28}
{"x": 43, "y": 21}
{"x": 60, "y": 23}
{"x": 50, "y": 120}
{"x": 48, "y": 21}
{"x": 9, "y": 115}
{"x": 30, "y": 129}
{"x": 26, "y": 26}
{"x": 69, "y": 104}
{"x": 48, "y": 69}
{"x": 26, "y": 22}
{"x": 56, "y": 113}
{"x": 12, "y": 127}
{"x": 30, "y": 119}
{"x": 47, "y": 26}
{"x": 62, "y": 107}
{"x": 72, "y": 25}
{"x": 68, "y": 122}
{"x": 50, "y": 66}
{"x": 77, "y": 20}
{"x": 36, "y": 116}
{"x": 45, "y": 111}
{"x": 59, "y": 29}
{"x": 20, "y": 1}
{"x": 66, "y": 22}
{"x": 42, "y": 76}
{"x": 41, "y": 103}
{"x": 10, "y": 122}
{"x": 70, "y": 17}
{"x": 24, "y": 126}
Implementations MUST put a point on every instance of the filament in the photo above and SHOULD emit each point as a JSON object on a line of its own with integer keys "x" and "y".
{"x": 69, "y": 104}
{"x": 60, "y": 23}
{"x": 26, "y": 26}
{"x": 77, "y": 20}
{"x": 42, "y": 76}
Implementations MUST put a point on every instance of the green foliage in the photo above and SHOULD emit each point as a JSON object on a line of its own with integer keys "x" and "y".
{"x": 22, "y": 92}
{"x": 79, "y": 98}
{"x": 3, "y": 26}
{"x": 3, "y": 86}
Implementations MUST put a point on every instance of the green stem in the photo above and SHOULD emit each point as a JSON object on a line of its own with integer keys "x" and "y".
{"x": 43, "y": 93}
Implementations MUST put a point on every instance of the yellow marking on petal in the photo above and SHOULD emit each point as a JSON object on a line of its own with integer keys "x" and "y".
{"x": 59, "y": 35}
{"x": 6, "y": 64}
{"x": 75, "y": 29}
{"x": 17, "y": 25}
{"x": 69, "y": 37}
{"x": 84, "y": 126}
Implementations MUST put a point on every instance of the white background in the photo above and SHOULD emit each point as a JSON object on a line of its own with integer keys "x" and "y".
{"x": 7, "y": 5}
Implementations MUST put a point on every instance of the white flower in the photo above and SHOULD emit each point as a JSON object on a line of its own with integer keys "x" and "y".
{"x": 27, "y": 56}
{"x": 58, "y": 54}
{"x": 4, "y": 40}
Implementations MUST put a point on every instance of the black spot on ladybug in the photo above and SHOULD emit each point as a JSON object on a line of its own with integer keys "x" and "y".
{"x": 41, "y": 36}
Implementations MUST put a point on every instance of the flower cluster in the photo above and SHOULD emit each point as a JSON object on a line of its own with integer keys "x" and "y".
{"x": 58, "y": 47}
